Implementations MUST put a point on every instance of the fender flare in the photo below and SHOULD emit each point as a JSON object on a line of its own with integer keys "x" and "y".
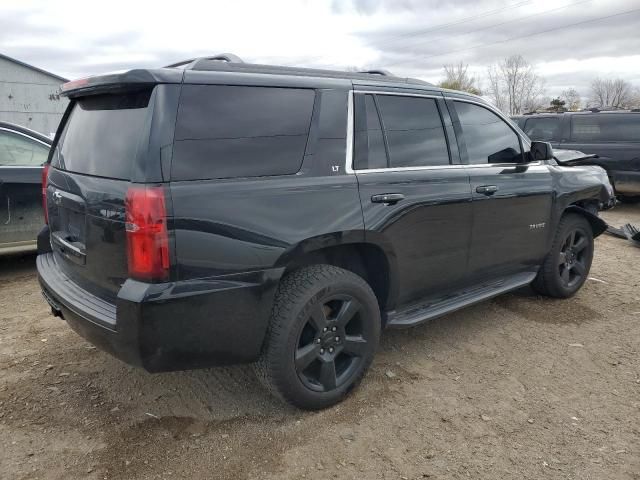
{"x": 598, "y": 225}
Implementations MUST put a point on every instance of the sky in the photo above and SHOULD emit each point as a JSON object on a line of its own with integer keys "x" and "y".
{"x": 570, "y": 42}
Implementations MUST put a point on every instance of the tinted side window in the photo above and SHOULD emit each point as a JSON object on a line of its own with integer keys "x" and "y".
{"x": 606, "y": 127}
{"x": 232, "y": 131}
{"x": 17, "y": 149}
{"x": 488, "y": 138}
{"x": 414, "y": 131}
{"x": 369, "y": 143}
{"x": 544, "y": 129}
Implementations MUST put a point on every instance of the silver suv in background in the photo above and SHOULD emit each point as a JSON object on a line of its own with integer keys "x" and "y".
{"x": 23, "y": 152}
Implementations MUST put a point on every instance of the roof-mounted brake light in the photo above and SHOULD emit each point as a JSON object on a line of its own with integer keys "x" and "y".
{"x": 81, "y": 82}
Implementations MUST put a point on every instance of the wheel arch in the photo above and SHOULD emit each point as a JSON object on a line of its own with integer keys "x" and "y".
{"x": 349, "y": 250}
{"x": 598, "y": 225}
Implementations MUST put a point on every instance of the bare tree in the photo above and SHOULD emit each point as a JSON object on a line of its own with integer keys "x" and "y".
{"x": 635, "y": 98}
{"x": 458, "y": 78}
{"x": 514, "y": 86}
{"x": 572, "y": 99}
{"x": 614, "y": 93}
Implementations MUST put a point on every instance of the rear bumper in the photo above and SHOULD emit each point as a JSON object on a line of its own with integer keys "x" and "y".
{"x": 626, "y": 182}
{"x": 169, "y": 326}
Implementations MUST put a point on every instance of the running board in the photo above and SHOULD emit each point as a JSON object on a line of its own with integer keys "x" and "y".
{"x": 419, "y": 313}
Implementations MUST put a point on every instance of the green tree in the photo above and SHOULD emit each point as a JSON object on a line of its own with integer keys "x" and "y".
{"x": 557, "y": 105}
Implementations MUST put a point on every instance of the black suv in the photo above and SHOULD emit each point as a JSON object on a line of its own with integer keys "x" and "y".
{"x": 216, "y": 212}
{"x": 614, "y": 136}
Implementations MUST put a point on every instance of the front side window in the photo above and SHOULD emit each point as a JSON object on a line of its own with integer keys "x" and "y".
{"x": 226, "y": 131}
{"x": 544, "y": 129}
{"x": 606, "y": 127}
{"x": 18, "y": 150}
{"x": 488, "y": 138}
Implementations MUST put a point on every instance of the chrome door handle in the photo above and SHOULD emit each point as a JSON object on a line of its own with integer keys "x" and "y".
{"x": 387, "y": 198}
{"x": 487, "y": 189}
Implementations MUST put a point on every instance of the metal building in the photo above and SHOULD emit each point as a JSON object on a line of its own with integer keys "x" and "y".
{"x": 29, "y": 96}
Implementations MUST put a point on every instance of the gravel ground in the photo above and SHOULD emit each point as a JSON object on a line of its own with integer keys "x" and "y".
{"x": 517, "y": 387}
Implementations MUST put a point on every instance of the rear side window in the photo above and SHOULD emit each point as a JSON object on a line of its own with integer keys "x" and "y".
{"x": 234, "y": 131}
{"x": 369, "y": 141}
{"x": 414, "y": 130}
{"x": 102, "y": 135}
{"x": 612, "y": 127}
{"x": 407, "y": 129}
{"x": 487, "y": 137}
{"x": 544, "y": 129}
{"x": 19, "y": 150}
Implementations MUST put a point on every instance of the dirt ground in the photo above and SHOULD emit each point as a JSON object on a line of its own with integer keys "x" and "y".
{"x": 517, "y": 387}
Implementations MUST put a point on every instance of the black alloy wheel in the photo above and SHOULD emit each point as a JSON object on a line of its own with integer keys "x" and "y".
{"x": 322, "y": 337}
{"x": 332, "y": 343}
{"x": 566, "y": 266}
{"x": 573, "y": 258}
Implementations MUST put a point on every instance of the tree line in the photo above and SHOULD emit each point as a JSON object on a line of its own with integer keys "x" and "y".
{"x": 515, "y": 87}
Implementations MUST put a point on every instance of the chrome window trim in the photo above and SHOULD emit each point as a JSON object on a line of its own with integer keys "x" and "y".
{"x": 493, "y": 109}
{"x": 21, "y": 166}
{"x": 351, "y": 125}
{"x": 26, "y": 136}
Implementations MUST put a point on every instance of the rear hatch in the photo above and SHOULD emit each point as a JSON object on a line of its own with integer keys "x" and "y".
{"x": 102, "y": 148}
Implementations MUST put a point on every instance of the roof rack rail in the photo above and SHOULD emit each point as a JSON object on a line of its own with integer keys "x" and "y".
{"x": 222, "y": 57}
{"x": 378, "y": 71}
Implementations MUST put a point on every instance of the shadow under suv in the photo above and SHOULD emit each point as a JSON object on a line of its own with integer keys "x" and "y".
{"x": 219, "y": 212}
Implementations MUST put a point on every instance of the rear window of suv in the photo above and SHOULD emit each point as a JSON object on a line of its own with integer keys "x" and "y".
{"x": 606, "y": 127}
{"x": 236, "y": 131}
{"x": 102, "y": 135}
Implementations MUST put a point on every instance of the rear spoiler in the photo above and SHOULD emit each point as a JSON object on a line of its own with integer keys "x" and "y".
{"x": 572, "y": 157}
{"x": 119, "y": 81}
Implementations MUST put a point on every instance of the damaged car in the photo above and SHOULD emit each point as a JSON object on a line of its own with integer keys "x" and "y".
{"x": 23, "y": 152}
{"x": 193, "y": 221}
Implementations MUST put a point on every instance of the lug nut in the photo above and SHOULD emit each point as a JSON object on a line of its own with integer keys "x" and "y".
{"x": 317, "y": 340}
{"x": 324, "y": 329}
{"x": 337, "y": 339}
{"x": 333, "y": 329}
{"x": 321, "y": 350}
{"x": 330, "y": 349}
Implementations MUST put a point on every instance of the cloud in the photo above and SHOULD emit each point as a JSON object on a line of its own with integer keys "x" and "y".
{"x": 409, "y": 37}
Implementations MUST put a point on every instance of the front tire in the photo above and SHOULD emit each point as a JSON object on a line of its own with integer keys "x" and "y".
{"x": 323, "y": 334}
{"x": 567, "y": 265}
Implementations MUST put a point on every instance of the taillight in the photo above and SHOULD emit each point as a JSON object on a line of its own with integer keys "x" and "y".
{"x": 147, "y": 236}
{"x": 45, "y": 175}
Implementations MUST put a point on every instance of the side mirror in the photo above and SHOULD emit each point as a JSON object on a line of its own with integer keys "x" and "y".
{"x": 541, "y": 151}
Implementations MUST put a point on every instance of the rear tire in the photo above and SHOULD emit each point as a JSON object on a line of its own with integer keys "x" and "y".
{"x": 567, "y": 265}
{"x": 322, "y": 337}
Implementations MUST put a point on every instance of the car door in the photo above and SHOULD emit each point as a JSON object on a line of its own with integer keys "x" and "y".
{"x": 21, "y": 215}
{"x": 512, "y": 199}
{"x": 415, "y": 195}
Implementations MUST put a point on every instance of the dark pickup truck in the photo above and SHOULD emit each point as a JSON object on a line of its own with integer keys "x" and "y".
{"x": 218, "y": 212}
{"x": 614, "y": 136}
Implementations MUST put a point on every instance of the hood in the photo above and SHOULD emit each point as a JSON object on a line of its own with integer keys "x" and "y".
{"x": 572, "y": 157}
